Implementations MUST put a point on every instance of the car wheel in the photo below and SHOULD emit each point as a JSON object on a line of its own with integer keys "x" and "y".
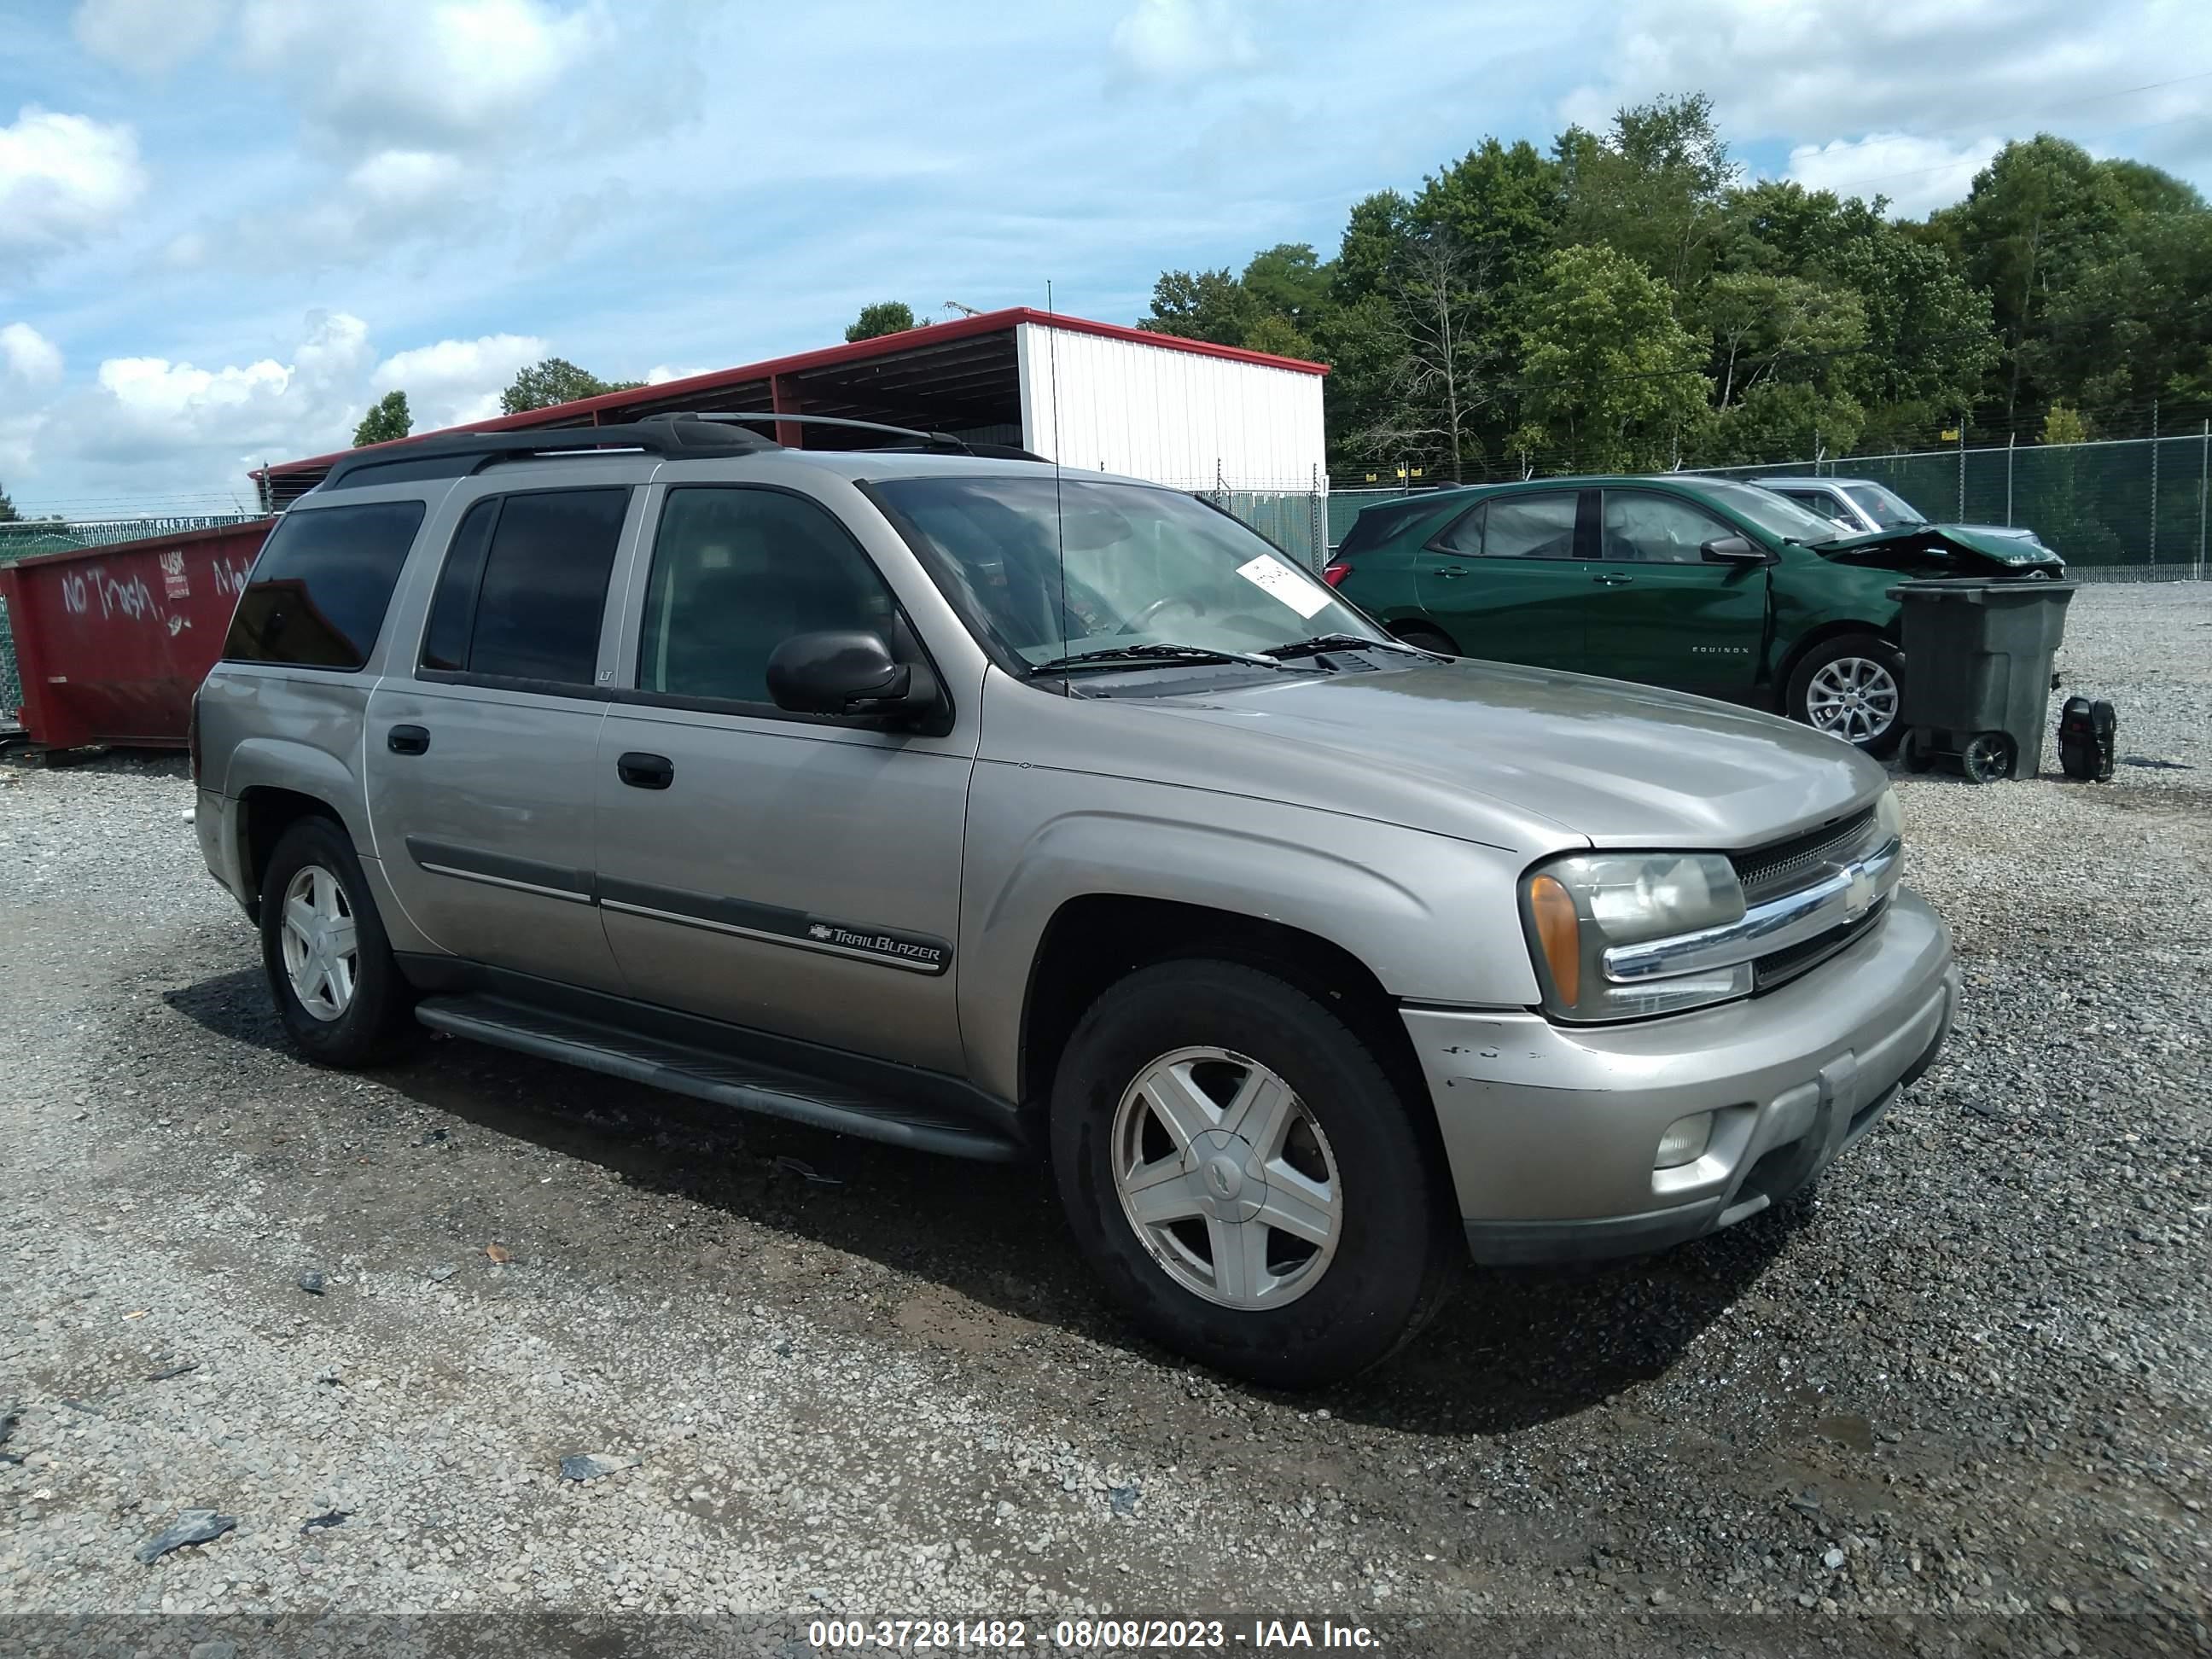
{"x": 1239, "y": 1169}
{"x": 331, "y": 969}
{"x": 1852, "y": 687}
{"x": 1428, "y": 638}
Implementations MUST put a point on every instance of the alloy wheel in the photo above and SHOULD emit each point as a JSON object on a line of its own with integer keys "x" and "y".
{"x": 1227, "y": 1179}
{"x": 1853, "y": 698}
{"x": 322, "y": 949}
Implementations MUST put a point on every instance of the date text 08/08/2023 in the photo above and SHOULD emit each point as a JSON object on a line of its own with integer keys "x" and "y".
{"x": 1262, "y": 1636}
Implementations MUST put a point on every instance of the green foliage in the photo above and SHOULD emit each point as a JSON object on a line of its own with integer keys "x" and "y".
{"x": 885, "y": 317}
{"x": 2064, "y": 425}
{"x": 557, "y": 380}
{"x": 1201, "y": 304}
{"x": 1608, "y": 377}
{"x": 1628, "y": 298}
{"x": 387, "y": 418}
{"x": 8, "y": 513}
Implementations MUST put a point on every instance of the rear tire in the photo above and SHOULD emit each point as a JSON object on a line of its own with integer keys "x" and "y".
{"x": 1281, "y": 1114}
{"x": 330, "y": 969}
{"x": 1853, "y": 688}
{"x": 1428, "y": 640}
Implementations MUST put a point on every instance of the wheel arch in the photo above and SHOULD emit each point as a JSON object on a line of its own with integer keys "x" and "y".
{"x": 1820, "y": 634}
{"x": 1096, "y": 940}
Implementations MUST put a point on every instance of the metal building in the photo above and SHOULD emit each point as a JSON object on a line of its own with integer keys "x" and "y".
{"x": 1181, "y": 412}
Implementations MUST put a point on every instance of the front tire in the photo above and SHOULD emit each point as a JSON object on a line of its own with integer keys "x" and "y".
{"x": 330, "y": 969}
{"x": 1239, "y": 1169}
{"x": 1852, "y": 687}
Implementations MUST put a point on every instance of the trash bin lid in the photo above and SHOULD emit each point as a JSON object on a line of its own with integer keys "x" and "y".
{"x": 1977, "y": 590}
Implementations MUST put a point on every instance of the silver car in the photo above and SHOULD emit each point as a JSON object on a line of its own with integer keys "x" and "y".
{"x": 1860, "y": 507}
{"x": 948, "y": 801}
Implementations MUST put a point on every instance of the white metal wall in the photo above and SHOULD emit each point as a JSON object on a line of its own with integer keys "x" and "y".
{"x": 1172, "y": 416}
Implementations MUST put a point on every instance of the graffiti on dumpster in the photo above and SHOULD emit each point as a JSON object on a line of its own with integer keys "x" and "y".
{"x": 230, "y": 576}
{"x": 130, "y": 597}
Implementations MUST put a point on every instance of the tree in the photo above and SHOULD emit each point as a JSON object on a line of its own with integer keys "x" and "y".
{"x": 1929, "y": 342}
{"x": 387, "y": 418}
{"x": 1653, "y": 188}
{"x": 885, "y": 317}
{"x": 2063, "y": 425}
{"x": 8, "y": 513}
{"x": 2137, "y": 326}
{"x": 557, "y": 380}
{"x": 1610, "y": 381}
{"x": 1200, "y": 305}
{"x": 2036, "y": 216}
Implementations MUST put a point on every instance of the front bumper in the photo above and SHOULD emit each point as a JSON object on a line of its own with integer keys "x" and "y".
{"x": 1551, "y": 1130}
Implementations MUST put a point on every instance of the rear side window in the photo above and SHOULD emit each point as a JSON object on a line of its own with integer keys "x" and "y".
{"x": 1530, "y": 527}
{"x": 524, "y": 587}
{"x": 320, "y": 590}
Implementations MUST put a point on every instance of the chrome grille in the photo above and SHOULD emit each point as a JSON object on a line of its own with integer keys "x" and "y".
{"x": 1784, "y": 866}
{"x": 1780, "y": 967}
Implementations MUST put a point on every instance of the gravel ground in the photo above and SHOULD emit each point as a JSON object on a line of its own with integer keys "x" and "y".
{"x": 1967, "y": 1384}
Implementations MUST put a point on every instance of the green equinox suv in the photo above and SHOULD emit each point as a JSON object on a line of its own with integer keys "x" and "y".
{"x": 1701, "y": 585}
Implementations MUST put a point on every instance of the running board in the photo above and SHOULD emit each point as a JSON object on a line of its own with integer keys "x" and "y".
{"x": 709, "y": 1076}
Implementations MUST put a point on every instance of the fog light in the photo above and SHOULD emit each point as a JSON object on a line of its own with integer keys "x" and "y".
{"x": 1683, "y": 1141}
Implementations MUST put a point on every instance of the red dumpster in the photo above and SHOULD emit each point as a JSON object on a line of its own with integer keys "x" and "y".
{"x": 110, "y": 642}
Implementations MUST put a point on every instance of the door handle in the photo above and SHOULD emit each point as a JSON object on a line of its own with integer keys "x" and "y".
{"x": 1612, "y": 579}
{"x": 643, "y": 771}
{"x": 408, "y": 740}
{"x": 1450, "y": 573}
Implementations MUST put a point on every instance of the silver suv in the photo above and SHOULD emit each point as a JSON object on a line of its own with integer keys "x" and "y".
{"x": 947, "y": 800}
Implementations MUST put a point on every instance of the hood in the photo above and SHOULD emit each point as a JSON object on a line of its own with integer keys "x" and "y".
{"x": 1512, "y": 756}
{"x": 1953, "y": 549}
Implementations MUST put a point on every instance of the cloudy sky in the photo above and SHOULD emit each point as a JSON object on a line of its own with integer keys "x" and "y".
{"x": 225, "y": 225}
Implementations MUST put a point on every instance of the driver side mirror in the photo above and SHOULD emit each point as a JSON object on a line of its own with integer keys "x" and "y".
{"x": 1733, "y": 549}
{"x": 848, "y": 671}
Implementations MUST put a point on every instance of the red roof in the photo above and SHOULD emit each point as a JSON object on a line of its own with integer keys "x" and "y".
{"x": 883, "y": 345}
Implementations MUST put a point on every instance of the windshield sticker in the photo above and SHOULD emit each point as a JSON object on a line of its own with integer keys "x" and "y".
{"x": 1302, "y": 594}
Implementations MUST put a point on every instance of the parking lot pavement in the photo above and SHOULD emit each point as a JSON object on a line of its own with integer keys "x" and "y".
{"x": 830, "y": 1377}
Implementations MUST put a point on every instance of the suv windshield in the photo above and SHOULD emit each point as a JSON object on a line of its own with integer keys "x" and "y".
{"x": 1776, "y": 515}
{"x": 1884, "y": 506}
{"x": 1144, "y": 566}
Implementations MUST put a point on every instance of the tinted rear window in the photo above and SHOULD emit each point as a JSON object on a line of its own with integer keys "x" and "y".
{"x": 544, "y": 588}
{"x": 320, "y": 590}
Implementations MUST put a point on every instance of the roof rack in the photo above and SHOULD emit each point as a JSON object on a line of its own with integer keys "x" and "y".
{"x": 922, "y": 440}
{"x": 457, "y": 454}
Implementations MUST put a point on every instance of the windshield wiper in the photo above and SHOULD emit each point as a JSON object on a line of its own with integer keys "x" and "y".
{"x": 1320, "y": 642}
{"x": 1154, "y": 653}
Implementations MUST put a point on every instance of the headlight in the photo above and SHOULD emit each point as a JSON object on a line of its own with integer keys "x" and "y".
{"x": 1889, "y": 820}
{"x": 1576, "y": 907}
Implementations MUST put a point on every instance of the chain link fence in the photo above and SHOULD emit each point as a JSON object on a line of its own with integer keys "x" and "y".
{"x": 2129, "y": 509}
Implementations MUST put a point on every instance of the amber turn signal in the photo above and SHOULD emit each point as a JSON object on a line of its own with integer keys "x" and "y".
{"x": 1558, "y": 930}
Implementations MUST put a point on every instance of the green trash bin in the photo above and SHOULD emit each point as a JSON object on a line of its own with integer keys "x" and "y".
{"x": 1977, "y": 656}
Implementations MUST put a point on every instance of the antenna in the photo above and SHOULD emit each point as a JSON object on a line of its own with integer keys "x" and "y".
{"x": 1059, "y": 514}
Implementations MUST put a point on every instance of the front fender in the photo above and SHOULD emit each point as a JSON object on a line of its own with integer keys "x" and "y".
{"x": 1841, "y": 598}
{"x": 1435, "y": 919}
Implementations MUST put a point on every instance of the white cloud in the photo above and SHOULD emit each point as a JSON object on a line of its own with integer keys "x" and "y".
{"x": 147, "y": 37}
{"x": 403, "y": 178}
{"x": 30, "y": 356}
{"x": 455, "y": 382}
{"x": 160, "y": 410}
{"x": 661, "y": 374}
{"x": 1917, "y": 174}
{"x": 1181, "y": 40}
{"x": 64, "y": 179}
{"x": 1936, "y": 86}
{"x": 428, "y": 74}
